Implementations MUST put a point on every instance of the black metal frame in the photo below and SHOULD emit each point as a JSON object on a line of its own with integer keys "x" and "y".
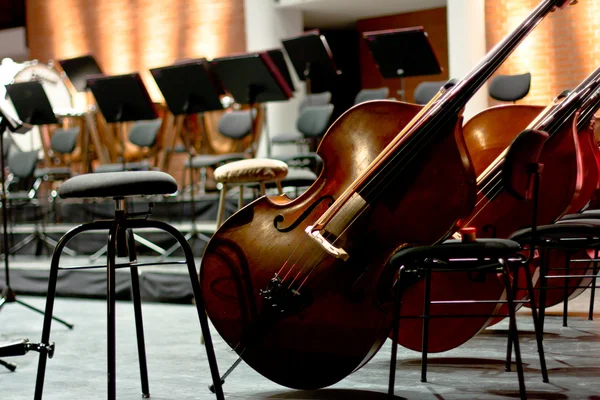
{"x": 121, "y": 242}
{"x": 427, "y": 266}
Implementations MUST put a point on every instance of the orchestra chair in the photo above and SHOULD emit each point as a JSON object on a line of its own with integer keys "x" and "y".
{"x": 315, "y": 99}
{"x": 62, "y": 144}
{"x": 143, "y": 134}
{"x": 21, "y": 167}
{"x": 234, "y": 124}
{"x": 520, "y": 175}
{"x": 311, "y": 125}
{"x": 121, "y": 186}
{"x": 240, "y": 173}
{"x": 509, "y": 87}
{"x": 371, "y": 94}
{"x": 425, "y": 91}
{"x": 570, "y": 234}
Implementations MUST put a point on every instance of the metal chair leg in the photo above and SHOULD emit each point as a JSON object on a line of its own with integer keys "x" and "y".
{"x": 543, "y": 288}
{"x": 111, "y": 337}
{"x": 509, "y": 342}
{"x": 396, "y": 330}
{"x": 137, "y": 307}
{"x": 514, "y": 332}
{"x": 536, "y": 324}
{"x": 593, "y": 288}
{"x": 566, "y": 289}
{"x": 425, "y": 337}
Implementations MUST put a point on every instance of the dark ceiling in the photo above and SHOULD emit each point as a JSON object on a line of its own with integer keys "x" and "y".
{"x": 12, "y": 13}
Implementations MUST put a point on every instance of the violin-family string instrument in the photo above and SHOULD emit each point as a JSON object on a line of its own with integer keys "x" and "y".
{"x": 299, "y": 288}
{"x": 498, "y": 214}
{"x": 591, "y": 174}
{"x": 570, "y": 159}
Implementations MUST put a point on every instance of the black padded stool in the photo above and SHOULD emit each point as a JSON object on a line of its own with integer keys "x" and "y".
{"x": 120, "y": 185}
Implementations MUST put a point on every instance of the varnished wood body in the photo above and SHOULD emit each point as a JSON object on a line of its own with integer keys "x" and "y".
{"x": 349, "y": 314}
{"x": 569, "y": 164}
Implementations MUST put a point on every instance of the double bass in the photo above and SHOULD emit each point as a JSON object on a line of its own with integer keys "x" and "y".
{"x": 300, "y": 288}
{"x": 498, "y": 213}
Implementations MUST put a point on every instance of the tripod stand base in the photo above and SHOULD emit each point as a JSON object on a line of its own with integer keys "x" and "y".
{"x": 10, "y": 366}
{"x": 8, "y": 296}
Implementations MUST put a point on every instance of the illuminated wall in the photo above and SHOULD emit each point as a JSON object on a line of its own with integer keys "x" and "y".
{"x": 134, "y": 35}
{"x": 560, "y": 53}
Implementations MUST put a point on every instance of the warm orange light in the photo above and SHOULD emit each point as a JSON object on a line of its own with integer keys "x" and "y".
{"x": 560, "y": 52}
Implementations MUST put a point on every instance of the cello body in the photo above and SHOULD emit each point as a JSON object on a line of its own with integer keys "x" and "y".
{"x": 331, "y": 318}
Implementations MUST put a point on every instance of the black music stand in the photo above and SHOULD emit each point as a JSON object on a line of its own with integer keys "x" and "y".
{"x": 31, "y": 103}
{"x": 312, "y": 59}
{"x": 122, "y": 98}
{"x": 188, "y": 88}
{"x": 33, "y": 107}
{"x": 400, "y": 53}
{"x": 78, "y": 70}
{"x": 261, "y": 82}
{"x": 15, "y": 125}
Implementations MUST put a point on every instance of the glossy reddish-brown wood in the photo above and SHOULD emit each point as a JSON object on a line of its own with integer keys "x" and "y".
{"x": 349, "y": 316}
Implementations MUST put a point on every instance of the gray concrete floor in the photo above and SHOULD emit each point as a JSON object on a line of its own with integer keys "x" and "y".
{"x": 178, "y": 369}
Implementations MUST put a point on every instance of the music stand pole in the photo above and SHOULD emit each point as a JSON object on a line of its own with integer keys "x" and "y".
{"x": 8, "y": 294}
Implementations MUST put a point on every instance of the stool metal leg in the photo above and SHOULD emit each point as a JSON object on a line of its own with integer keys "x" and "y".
{"x": 137, "y": 307}
{"x": 593, "y": 288}
{"x": 204, "y": 326}
{"x": 514, "y": 332}
{"x": 566, "y": 288}
{"x": 396, "y": 330}
{"x": 425, "y": 338}
{"x": 536, "y": 324}
{"x": 54, "y": 264}
{"x": 111, "y": 335}
{"x": 222, "y": 200}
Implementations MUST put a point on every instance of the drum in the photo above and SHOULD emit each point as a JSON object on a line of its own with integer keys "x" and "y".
{"x": 54, "y": 85}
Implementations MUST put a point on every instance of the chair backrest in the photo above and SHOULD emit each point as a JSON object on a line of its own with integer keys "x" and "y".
{"x": 144, "y": 133}
{"x": 22, "y": 164}
{"x": 315, "y": 99}
{"x": 7, "y": 143}
{"x": 64, "y": 140}
{"x": 236, "y": 124}
{"x": 313, "y": 121}
{"x": 510, "y": 87}
{"x": 371, "y": 94}
{"x": 426, "y": 90}
{"x": 524, "y": 151}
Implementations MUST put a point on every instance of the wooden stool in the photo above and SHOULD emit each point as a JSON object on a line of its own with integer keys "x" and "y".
{"x": 243, "y": 172}
{"x": 119, "y": 185}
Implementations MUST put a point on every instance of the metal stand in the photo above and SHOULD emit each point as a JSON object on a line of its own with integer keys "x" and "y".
{"x": 121, "y": 243}
{"x": 8, "y": 294}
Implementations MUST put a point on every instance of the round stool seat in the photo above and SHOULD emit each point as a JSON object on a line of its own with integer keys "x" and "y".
{"x": 118, "y": 184}
{"x": 251, "y": 170}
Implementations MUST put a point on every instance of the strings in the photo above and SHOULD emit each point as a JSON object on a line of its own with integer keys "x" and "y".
{"x": 422, "y": 135}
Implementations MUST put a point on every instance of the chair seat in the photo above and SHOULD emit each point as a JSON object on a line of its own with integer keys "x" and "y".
{"x": 213, "y": 160}
{"x": 287, "y": 138}
{"x": 251, "y": 170}
{"x": 119, "y": 167}
{"x": 454, "y": 249}
{"x": 584, "y": 215}
{"x": 118, "y": 184}
{"x": 311, "y": 160}
{"x": 563, "y": 229}
{"x": 56, "y": 171}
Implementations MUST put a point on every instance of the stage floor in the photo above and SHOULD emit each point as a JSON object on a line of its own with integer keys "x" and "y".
{"x": 178, "y": 369}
